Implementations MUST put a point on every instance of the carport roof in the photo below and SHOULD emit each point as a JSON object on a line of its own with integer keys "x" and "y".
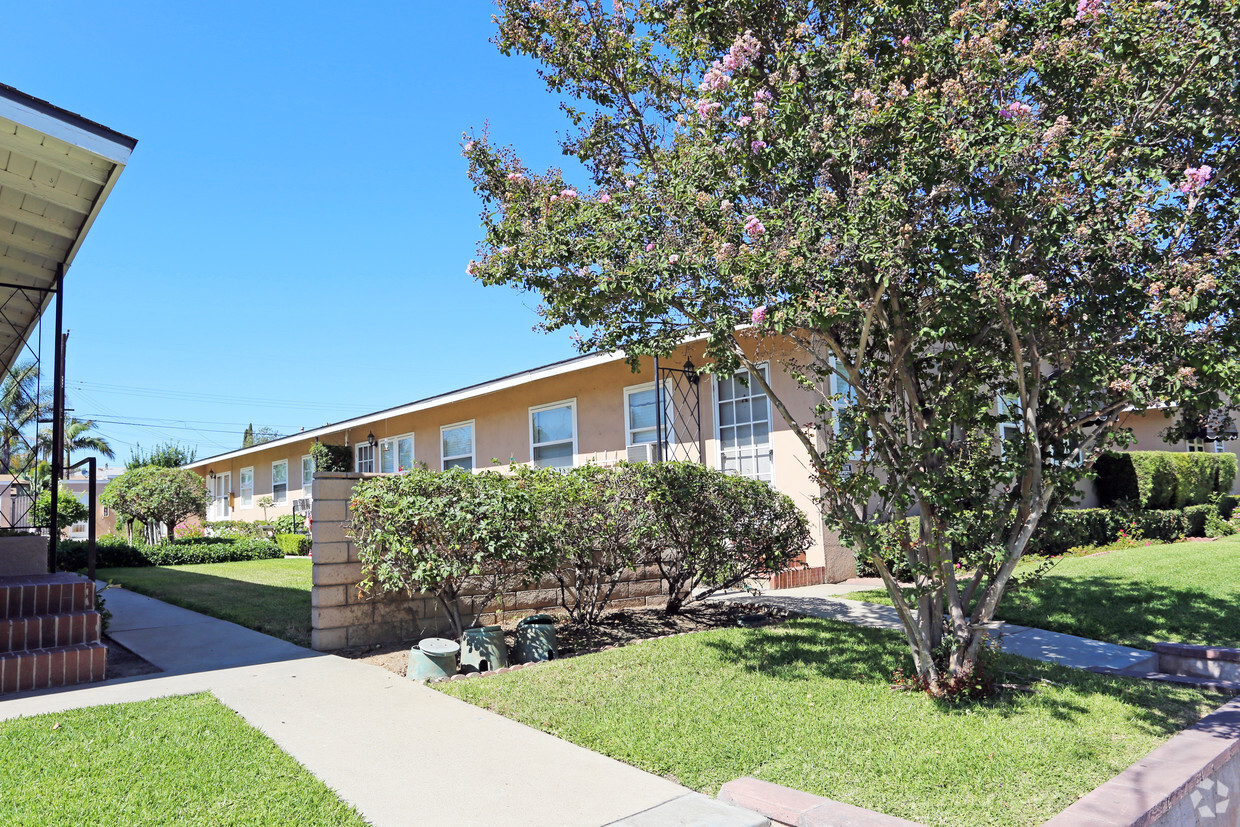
{"x": 56, "y": 170}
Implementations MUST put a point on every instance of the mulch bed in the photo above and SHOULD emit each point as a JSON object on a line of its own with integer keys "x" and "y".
{"x": 615, "y": 628}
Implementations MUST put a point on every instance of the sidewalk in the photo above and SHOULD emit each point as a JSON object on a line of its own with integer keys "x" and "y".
{"x": 399, "y": 752}
{"x": 1054, "y": 647}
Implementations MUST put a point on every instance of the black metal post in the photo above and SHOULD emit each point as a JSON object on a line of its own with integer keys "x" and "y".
{"x": 58, "y": 420}
{"x": 91, "y": 497}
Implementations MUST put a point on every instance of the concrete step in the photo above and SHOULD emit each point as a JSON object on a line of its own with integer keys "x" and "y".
{"x": 1197, "y": 681}
{"x": 49, "y": 631}
{"x": 42, "y": 594}
{"x": 47, "y": 668}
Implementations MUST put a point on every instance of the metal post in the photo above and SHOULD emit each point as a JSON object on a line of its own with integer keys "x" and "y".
{"x": 58, "y": 419}
{"x": 658, "y": 413}
{"x": 91, "y": 496}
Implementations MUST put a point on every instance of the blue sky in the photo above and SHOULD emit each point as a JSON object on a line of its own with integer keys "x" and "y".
{"x": 288, "y": 243}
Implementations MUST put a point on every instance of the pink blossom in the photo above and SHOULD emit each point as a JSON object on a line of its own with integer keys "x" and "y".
{"x": 758, "y": 316}
{"x": 707, "y": 108}
{"x": 753, "y": 226}
{"x": 1195, "y": 179}
{"x": 468, "y": 147}
{"x": 471, "y": 268}
{"x": 1088, "y": 8}
{"x": 905, "y": 40}
{"x": 1015, "y": 109}
{"x": 762, "y": 95}
{"x": 744, "y": 121}
{"x": 757, "y": 146}
{"x": 649, "y": 247}
{"x": 629, "y": 184}
{"x": 515, "y": 176}
{"x": 715, "y": 79}
{"x": 570, "y": 194}
{"x": 673, "y": 259}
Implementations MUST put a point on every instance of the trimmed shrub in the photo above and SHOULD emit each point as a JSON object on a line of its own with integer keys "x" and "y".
{"x": 289, "y": 524}
{"x": 1164, "y": 525}
{"x": 1226, "y": 464}
{"x": 1146, "y": 479}
{"x": 710, "y": 531}
{"x": 1195, "y": 477}
{"x": 1071, "y": 528}
{"x": 1227, "y": 504}
{"x": 331, "y": 457}
{"x": 238, "y": 528}
{"x": 1195, "y": 518}
{"x": 117, "y": 553}
{"x": 296, "y": 545}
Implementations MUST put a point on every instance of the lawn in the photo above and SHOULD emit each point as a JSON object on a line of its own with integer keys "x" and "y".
{"x": 272, "y": 596}
{"x": 187, "y": 760}
{"x": 1181, "y": 592}
{"x": 808, "y": 704}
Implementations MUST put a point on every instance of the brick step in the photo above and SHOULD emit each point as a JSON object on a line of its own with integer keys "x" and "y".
{"x": 46, "y": 668}
{"x": 43, "y": 594}
{"x": 49, "y": 631}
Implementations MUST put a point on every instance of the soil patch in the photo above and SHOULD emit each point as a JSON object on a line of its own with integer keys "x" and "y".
{"x": 123, "y": 663}
{"x": 615, "y": 628}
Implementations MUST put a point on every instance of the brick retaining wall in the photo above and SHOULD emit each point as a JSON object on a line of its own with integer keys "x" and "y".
{"x": 340, "y": 616}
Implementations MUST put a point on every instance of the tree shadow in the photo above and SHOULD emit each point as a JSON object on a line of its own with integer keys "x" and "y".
{"x": 1123, "y": 610}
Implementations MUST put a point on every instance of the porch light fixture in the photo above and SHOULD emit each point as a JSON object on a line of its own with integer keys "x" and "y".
{"x": 211, "y": 473}
{"x": 691, "y": 372}
{"x": 370, "y": 439}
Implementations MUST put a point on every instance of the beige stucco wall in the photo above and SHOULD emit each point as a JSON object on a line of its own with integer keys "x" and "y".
{"x": 502, "y": 434}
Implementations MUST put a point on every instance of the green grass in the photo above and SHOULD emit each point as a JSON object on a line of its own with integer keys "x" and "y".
{"x": 272, "y": 596}
{"x": 808, "y": 704}
{"x": 183, "y": 760}
{"x": 1180, "y": 592}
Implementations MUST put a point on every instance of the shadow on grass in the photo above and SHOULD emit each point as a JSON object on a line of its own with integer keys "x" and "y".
{"x": 815, "y": 649}
{"x": 279, "y": 611}
{"x": 1122, "y": 610}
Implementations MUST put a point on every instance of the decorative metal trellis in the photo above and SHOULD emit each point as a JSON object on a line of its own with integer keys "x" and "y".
{"x": 21, "y": 449}
{"x": 678, "y": 397}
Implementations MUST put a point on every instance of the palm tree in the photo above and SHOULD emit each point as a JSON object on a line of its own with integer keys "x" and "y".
{"x": 22, "y": 403}
{"x": 78, "y": 437}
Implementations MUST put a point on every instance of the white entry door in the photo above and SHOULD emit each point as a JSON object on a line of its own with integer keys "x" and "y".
{"x": 223, "y": 485}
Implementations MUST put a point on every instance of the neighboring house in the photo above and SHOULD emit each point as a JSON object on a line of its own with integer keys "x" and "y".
{"x": 105, "y": 518}
{"x": 588, "y": 409}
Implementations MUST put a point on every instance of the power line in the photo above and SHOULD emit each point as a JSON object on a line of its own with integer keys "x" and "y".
{"x": 195, "y": 396}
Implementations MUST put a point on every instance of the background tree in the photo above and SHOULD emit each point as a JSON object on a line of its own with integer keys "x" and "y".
{"x": 941, "y": 203}
{"x": 156, "y": 495}
{"x": 78, "y": 437}
{"x": 22, "y": 403}
{"x": 69, "y": 509}
{"x": 253, "y": 437}
{"x": 169, "y": 454}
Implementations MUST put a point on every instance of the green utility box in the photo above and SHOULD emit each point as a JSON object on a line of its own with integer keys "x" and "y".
{"x": 483, "y": 649}
{"x": 433, "y": 657}
{"x": 536, "y": 639}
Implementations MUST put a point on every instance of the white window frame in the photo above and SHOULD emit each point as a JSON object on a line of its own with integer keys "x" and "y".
{"x": 839, "y": 404}
{"x": 473, "y": 445}
{"x": 306, "y": 483}
{"x": 669, "y": 431}
{"x": 572, "y": 405}
{"x": 1002, "y": 408}
{"x": 246, "y": 501}
{"x": 770, "y": 421}
{"x": 357, "y": 457}
{"x": 394, "y": 441}
{"x": 274, "y": 499}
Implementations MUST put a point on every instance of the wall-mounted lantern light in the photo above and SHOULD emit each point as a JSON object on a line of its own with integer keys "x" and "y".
{"x": 370, "y": 439}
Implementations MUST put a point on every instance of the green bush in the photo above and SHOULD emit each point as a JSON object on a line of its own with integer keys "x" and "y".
{"x": 1145, "y": 479}
{"x": 238, "y": 528}
{"x": 1195, "y": 518}
{"x": 331, "y": 457}
{"x": 1227, "y": 504}
{"x": 1075, "y": 527}
{"x": 115, "y": 552}
{"x": 1196, "y": 474}
{"x": 296, "y": 545}
{"x": 1164, "y": 525}
{"x": 289, "y": 524}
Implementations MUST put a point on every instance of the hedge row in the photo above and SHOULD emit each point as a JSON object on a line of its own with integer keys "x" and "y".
{"x": 117, "y": 553}
{"x": 1076, "y": 527}
{"x": 293, "y": 544}
{"x": 1155, "y": 480}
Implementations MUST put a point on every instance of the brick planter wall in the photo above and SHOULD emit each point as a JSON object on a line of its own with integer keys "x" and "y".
{"x": 340, "y": 616}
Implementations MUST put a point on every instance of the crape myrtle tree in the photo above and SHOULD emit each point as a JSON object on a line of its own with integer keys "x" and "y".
{"x": 964, "y": 213}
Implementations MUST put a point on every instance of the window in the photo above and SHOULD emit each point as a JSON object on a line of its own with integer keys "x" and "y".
{"x": 1012, "y": 426}
{"x": 279, "y": 481}
{"x": 365, "y": 458}
{"x": 307, "y": 473}
{"x": 553, "y": 434}
{"x": 396, "y": 454}
{"x": 743, "y": 419}
{"x": 640, "y": 417}
{"x": 247, "y": 487}
{"x": 456, "y": 446}
{"x": 846, "y": 401}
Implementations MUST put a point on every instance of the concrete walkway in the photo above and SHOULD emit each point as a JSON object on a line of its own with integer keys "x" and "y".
{"x": 1054, "y": 647}
{"x": 399, "y": 752}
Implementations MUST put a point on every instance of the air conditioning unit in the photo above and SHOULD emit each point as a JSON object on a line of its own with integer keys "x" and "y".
{"x": 643, "y": 452}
